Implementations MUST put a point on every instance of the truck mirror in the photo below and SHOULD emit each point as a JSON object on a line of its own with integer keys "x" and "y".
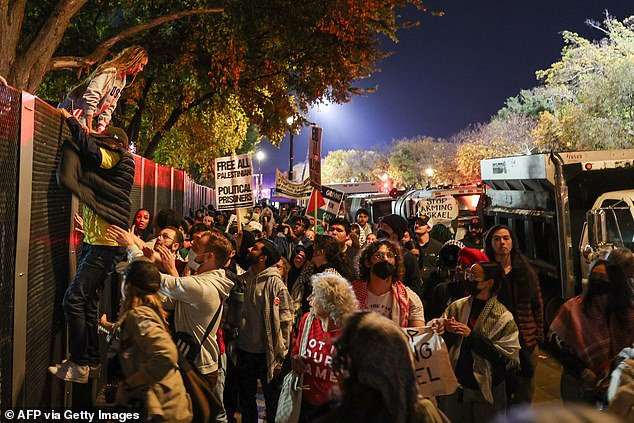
{"x": 597, "y": 227}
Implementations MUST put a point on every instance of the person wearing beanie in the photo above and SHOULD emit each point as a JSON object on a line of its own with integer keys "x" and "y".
{"x": 443, "y": 282}
{"x": 148, "y": 356}
{"x": 264, "y": 337}
{"x": 426, "y": 249}
{"x": 393, "y": 227}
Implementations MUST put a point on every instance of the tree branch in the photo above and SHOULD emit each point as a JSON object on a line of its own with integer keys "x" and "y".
{"x": 98, "y": 55}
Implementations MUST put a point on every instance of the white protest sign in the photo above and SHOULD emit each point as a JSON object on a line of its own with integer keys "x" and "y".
{"x": 234, "y": 182}
{"x": 439, "y": 208}
{"x": 431, "y": 361}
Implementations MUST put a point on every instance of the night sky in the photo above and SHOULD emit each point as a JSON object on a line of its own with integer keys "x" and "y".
{"x": 450, "y": 72}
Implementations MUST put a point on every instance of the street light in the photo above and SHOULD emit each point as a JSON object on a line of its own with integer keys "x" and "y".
{"x": 429, "y": 171}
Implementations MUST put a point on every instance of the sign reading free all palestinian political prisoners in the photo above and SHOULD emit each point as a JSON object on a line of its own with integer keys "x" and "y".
{"x": 431, "y": 361}
{"x": 439, "y": 208}
{"x": 234, "y": 182}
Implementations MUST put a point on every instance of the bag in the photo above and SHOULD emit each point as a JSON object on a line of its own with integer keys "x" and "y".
{"x": 187, "y": 344}
{"x": 205, "y": 404}
{"x": 434, "y": 373}
{"x": 290, "y": 403}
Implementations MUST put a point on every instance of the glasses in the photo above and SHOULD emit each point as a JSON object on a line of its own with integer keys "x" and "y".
{"x": 165, "y": 236}
{"x": 381, "y": 256}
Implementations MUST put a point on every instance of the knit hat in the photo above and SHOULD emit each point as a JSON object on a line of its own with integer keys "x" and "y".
{"x": 448, "y": 255}
{"x": 116, "y": 134}
{"x": 144, "y": 276}
{"x": 397, "y": 223}
{"x": 471, "y": 256}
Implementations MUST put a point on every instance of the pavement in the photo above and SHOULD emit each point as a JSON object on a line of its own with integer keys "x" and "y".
{"x": 547, "y": 379}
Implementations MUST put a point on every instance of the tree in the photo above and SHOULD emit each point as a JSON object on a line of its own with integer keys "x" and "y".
{"x": 28, "y": 45}
{"x": 263, "y": 61}
{"x": 409, "y": 159}
{"x": 511, "y": 135}
{"x": 359, "y": 165}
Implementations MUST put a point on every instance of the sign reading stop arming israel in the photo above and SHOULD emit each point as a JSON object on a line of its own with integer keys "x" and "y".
{"x": 431, "y": 361}
{"x": 234, "y": 182}
{"x": 439, "y": 208}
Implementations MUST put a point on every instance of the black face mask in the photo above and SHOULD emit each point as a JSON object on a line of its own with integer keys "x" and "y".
{"x": 598, "y": 286}
{"x": 382, "y": 234}
{"x": 472, "y": 287}
{"x": 383, "y": 269}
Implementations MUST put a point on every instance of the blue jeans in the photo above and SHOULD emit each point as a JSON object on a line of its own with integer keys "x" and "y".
{"x": 81, "y": 302}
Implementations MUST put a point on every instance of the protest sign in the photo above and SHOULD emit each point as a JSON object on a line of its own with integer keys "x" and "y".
{"x": 439, "y": 208}
{"x": 234, "y": 182}
{"x": 431, "y": 361}
{"x": 327, "y": 201}
{"x": 292, "y": 190}
{"x": 314, "y": 156}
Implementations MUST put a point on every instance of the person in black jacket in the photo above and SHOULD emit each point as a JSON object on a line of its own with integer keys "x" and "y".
{"x": 99, "y": 169}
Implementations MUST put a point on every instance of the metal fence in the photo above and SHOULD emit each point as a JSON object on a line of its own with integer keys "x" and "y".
{"x": 38, "y": 257}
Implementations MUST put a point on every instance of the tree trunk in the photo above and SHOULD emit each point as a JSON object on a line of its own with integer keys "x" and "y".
{"x": 171, "y": 121}
{"x": 11, "y": 16}
{"x": 135, "y": 124}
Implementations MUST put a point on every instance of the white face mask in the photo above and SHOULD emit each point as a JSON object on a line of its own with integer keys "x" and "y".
{"x": 191, "y": 260}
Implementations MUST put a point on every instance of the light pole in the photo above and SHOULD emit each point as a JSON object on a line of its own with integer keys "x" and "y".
{"x": 429, "y": 171}
{"x": 260, "y": 156}
{"x": 290, "y": 121}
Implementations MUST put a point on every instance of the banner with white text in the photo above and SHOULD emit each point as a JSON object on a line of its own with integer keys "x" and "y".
{"x": 234, "y": 182}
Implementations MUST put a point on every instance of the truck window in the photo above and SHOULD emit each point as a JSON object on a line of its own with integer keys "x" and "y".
{"x": 619, "y": 223}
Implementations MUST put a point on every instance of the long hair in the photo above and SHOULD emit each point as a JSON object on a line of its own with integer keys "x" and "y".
{"x": 521, "y": 268}
{"x": 379, "y": 381}
{"x": 371, "y": 249}
{"x": 147, "y": 233}
{"x": 619, "y": 266}
{"x": 126, "y": 60}
{"x": 329, "y": 245}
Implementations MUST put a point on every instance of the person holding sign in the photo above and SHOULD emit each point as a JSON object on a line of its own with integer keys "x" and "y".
{"x": 483, "y": 342}
{"x": 380, "y": 288}
{"x": 378, "y": 384}
{"x": 331, "y": 301}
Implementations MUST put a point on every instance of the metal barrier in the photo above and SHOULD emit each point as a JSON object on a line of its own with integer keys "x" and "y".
{"x": 38, "y": 257}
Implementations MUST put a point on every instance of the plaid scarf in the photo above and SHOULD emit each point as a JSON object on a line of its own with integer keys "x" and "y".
{"x": 596, "y": 338}
{"x": 400, "y": 301}
{"x": 496, "y": 323}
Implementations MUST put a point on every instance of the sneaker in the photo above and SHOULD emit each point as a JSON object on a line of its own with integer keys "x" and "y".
{"x": 94, "y": 370}
{"x": 70, "y": 372}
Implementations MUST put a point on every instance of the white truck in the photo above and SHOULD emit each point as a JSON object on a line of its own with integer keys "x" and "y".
{"x": 566, "y": 209}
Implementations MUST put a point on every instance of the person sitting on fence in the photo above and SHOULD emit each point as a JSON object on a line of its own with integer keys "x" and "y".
{"x": 99, "y": 169}
{"x": 97, "y": 96}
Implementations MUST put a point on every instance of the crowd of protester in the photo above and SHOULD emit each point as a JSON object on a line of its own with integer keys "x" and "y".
{"x": 279, "y": 275}
{"x": 236, "y": 301}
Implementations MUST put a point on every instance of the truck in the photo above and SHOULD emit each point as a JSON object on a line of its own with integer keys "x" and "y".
{"x": 566, "y": 209}
{"x": 454, "y": 206}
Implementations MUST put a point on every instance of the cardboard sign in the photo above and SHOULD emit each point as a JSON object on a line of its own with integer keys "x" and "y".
{"x": 292, "y": 190}
{"x": 328, "y": 202}
{"x": 431, "y": 361}
{"x": 234, "y": 182}
{"x": 439, "y": 208}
